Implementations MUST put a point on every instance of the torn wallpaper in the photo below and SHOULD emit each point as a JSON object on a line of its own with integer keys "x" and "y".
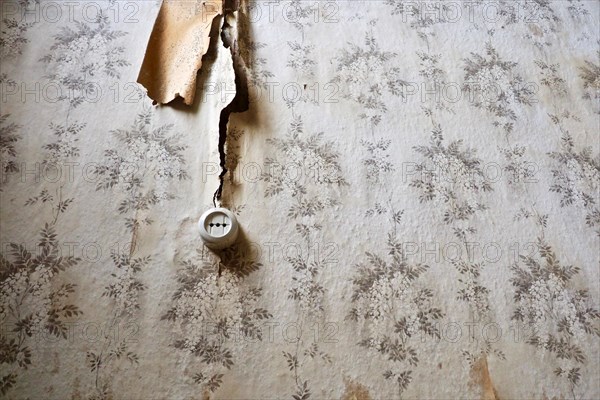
{"x": 417, "y": 184}
{"x": 180, "y": 38}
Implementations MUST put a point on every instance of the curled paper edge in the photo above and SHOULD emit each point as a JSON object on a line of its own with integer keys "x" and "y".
{"x": 179, "y": 39}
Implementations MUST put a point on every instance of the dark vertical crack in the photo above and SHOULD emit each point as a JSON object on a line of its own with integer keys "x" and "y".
{"x": 240, "y": 102}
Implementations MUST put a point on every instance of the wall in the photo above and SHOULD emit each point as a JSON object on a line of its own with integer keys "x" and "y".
{"x": 417, "y": 185}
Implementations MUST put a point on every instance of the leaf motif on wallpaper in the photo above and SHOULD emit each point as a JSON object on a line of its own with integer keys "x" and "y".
{"x": 355, "y": 68}
{"x": 124, "y": 294}
{"x": 555, "y": 312}
{"x": 380, "y": 209}
{"x": 300, "y": 59}
{"x": 389, "y": 295}
{"x": 257, "y": 71}
{"x": 435, "y": 76}
{"x": 9, "y": 137}
{"x": 576, "y": 178}
{"x": 452, "y": 175}
{"x": 537, "y": 19}
{"x": 145, "y": 152}
{"x": 126, "y": 285}
{"x": 422, "y": 16}
{"x": 33, "y": 299}
{"x": 541, "y": 220}
{"x": 14, "y": 30}
{"x": 33, "y": 294}
{"x": 300, "y": 14}
{"x": 304, "y": 169}
{"x": 256, "y": 65}
{"x": 304, "y": 172}
{"x": 590, "y": 75}
{"x": 577, "y": 8}
{"x": 378, "y": 161}
{"x": 533, "y": 20}
{"x": 80, "y": 54}
{"x": 518, "y": 168}
{"x": 551, "y": 77}
{"x": 214, "y": 309}
{"x": 302, "y": 392}
{"x": 77, "y": 56}
{"x": 65, "y": 144}
{"x": 496, "y": 86}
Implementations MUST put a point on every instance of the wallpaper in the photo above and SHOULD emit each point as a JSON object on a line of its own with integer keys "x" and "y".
{"x": 416, "y": 182}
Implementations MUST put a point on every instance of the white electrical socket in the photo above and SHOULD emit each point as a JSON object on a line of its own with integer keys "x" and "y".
{"x": 218, "y": 228}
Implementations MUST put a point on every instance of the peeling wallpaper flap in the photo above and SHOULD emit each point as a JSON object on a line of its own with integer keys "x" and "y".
{"x": 180, "y": 38}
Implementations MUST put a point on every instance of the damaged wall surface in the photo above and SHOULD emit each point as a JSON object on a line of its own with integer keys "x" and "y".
{"x": 417, "y": 184}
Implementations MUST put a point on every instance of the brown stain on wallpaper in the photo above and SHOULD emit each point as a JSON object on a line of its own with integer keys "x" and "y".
{"x": 481, "y": 377}
{"x": 355, "y": 391}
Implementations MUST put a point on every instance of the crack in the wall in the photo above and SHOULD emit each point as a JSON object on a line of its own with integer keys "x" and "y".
{"x": 179, "y": 40}
{"x": 241, "y": 101}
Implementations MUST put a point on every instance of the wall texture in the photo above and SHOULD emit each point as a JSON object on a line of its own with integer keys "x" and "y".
{"x": 417, "y": 184}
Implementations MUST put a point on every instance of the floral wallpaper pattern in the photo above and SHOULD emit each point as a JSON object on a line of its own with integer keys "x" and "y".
{"x": 417, "y": 184}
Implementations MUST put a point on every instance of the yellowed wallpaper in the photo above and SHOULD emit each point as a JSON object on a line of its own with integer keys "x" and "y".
{"x": 416, "y": 182}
